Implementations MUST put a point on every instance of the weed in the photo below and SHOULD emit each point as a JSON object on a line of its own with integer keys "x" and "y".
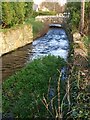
{"x": 22, "y": 92}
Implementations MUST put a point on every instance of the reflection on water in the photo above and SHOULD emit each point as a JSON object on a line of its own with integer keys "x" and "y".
{"x": 55, "y": 42}
{"x": 14, "y": 61}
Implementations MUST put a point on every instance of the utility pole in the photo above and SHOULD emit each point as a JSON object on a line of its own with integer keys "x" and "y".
{"x": 82, "y": 16}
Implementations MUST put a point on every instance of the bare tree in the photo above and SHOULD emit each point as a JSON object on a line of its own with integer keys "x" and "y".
{"x": 52, "y": 6}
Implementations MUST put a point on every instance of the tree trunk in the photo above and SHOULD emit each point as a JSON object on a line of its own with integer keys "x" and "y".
{"x": 89, "y": 20}
{"x": 82, "y": 15}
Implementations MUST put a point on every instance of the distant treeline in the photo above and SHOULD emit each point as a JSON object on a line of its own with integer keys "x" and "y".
{"x": 14, "y": 13}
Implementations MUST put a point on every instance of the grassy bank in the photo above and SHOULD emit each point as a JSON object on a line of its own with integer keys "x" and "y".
{"x": 23, "y": 92}
{"x": 38, "y": 27}
{"x": 78, "y": 85}
{"x": 78, "y": 95}
{"x": 86, "y": 40}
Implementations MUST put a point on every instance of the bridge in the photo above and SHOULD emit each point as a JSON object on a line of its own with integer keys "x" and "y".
{"x": 52, "y": 19}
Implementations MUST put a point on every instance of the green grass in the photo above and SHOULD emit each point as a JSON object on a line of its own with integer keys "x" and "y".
{"x": 86, "y": 41}
{"x": 37, "y": 26}
{"x": 22, "y": 92}
{"x": 79, "y": 96}
{"x": 15, "y": 27}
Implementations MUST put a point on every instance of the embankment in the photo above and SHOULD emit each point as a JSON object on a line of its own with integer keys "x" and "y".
{"x": 15, "y": 38}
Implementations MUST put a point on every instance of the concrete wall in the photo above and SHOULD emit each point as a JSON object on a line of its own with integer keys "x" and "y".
{"x": 15, "y": 38}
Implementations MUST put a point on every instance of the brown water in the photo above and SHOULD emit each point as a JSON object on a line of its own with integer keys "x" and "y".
{"x": 15, "y": 60}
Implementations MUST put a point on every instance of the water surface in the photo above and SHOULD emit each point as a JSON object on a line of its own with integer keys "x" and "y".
{"x": 55, "y": 42}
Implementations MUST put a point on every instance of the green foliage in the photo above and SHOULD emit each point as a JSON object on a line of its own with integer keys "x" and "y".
{"x": 15, "y": 12}
{"x": 74, "y": 9}
{"x": 43, "y": 13}
{"x": 7, "y": 13}
{"x": 0, "y": 10}
{"x": 87, "y": 9}
{"x": 75, "y": 19}
{"x": 37, "y": 26}
{"x": 28, "y": 9}
{"x": 79, "y": 96}
{"x": 75, "y": 14}
{"x": 19, "y": 12}
{"x": 47, "y": 13}
{"x": 86, "y": 41}
{"x": 80, "y": 103}
{"x": 35, "y": 14}
{"x": 22, "y": 92}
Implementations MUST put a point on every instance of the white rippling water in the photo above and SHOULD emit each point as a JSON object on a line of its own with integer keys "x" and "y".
{"x": 55, "y": 42}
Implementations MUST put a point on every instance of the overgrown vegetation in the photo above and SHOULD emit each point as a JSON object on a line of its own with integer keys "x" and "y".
{"x": 14, "y": 13}
{"x": 23, "y": 92}
{"x": 43, "y": 13}
{"x": 75, "y": 15}
{"x": 74, "y": 9}
{"x": 79, "y": 87}
{"x": 27, "y": 93}
{"x": 86, "y": 40}
{"x": 78, "y": 96}
{"x": 37, "y": 26}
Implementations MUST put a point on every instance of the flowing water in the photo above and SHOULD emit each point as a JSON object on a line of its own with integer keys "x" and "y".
{"x": 55, "y": 42}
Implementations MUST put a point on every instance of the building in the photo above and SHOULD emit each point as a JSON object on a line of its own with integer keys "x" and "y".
{"x": 35, "y": 7}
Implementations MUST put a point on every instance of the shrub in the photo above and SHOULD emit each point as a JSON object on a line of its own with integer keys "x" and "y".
{"x": 22, "y": 92}
{"x": 35, "y": 14}
{"x": 37, "y": 26}
{"x": 28, "y": 9}
{"x": 7, "y": 13}
{"x": 15, "y": 12}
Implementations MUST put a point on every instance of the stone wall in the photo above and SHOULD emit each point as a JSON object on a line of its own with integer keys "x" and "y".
{"x": 15, "y": 38}
{"x": 51, "y": 19}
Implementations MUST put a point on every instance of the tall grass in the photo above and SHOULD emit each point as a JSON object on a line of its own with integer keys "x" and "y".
{"x": 74, "y": 103}
{"x": 37, "y": 26}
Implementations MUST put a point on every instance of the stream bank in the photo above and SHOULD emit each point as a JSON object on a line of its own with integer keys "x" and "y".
{"x": 78, "y": 83}
{"x": 54, "y": 40}
{"x": 40, "y": 69}
{"x": 10, "y": 58}
{"x": 15, "y": 38}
